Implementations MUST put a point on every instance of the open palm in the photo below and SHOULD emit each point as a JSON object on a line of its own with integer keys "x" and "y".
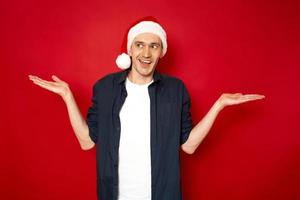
{"x": 228, "y": 99}
{"x": 58, "y": 86}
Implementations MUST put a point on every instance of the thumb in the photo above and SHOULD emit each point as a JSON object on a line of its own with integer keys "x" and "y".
{"x": 55, "y": 78}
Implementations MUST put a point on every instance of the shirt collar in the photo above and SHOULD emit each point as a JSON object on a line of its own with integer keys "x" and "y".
{"x": 156, "y": 76}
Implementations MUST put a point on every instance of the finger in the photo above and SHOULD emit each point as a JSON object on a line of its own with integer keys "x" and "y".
{"x": 236, "y": 96}
{"x": 55, "y": 78}
{"x": 32, "y": 77}
{"x": 36, "y": 78}
{"x": 46, "y": 83}
{"x": 254, "y": 96}
{"x": 42, "y": 80}
{"x": 246, "y": 99}
{"x": 44, "y": 86}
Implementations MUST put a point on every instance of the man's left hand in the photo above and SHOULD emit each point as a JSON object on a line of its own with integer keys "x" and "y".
{"x": 228, "y": 99}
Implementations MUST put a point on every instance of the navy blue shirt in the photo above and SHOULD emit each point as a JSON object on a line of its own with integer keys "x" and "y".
{"x": 171, "y": 125}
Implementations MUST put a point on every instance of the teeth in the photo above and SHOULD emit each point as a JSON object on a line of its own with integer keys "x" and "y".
{"x": 146, "y": 61}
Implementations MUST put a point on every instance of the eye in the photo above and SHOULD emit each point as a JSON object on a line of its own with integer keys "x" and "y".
{"x": 154, "y": 46}
{"x": 139, "y": 45}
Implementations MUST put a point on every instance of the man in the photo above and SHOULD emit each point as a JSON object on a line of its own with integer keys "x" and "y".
{"x": 139, "y": 120}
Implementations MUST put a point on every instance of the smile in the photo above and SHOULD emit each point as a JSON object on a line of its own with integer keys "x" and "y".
{"x": 145, "y": 61}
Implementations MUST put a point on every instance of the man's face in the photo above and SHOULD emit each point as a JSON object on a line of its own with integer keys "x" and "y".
{"x": 146, "y": 49}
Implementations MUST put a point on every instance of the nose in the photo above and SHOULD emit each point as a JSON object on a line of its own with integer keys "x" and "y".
{"x": 146, "y": 52}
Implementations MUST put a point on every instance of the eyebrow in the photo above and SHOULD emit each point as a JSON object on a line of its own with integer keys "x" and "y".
{"x": 152, "y": 43}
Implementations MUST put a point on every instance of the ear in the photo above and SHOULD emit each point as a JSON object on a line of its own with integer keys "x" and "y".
{"x": 130, "y": 51}
{"x": 161, "y": 54}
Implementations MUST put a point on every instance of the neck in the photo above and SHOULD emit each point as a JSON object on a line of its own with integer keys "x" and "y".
{"x": 138, "y": 79}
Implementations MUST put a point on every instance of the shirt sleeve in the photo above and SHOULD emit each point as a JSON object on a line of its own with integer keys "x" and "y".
{"x": 186, "y": 118}
{"x": 92, "y": 117}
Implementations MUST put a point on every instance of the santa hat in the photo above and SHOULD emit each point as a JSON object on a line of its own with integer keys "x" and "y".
{"x": 146, "y": 25}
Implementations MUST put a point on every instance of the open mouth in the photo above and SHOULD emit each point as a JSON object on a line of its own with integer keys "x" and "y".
{"x": 145, "y": 62}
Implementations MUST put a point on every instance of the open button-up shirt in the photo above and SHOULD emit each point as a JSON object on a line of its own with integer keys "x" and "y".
{"x": 170, "y": 124}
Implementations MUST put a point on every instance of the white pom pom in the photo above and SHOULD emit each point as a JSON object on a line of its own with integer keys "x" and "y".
{"x": 123, "y": 61}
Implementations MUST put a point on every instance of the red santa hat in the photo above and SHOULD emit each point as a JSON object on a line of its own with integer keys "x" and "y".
{"x": 146, "y": 25}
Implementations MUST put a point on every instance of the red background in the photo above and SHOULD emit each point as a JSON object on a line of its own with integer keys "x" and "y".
{"x": 252, "y": 151}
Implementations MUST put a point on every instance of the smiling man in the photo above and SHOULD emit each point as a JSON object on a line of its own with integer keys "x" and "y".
{"x": 139, "y": 120}
{"x": 145, "y": 53}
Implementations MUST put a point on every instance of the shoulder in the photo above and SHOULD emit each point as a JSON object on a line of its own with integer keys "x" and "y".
{"x": 175, "y": 86}
{"x": 172, "y": 81}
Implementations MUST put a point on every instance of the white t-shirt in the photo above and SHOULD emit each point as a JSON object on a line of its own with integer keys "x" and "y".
{"x": 134, "y": 150}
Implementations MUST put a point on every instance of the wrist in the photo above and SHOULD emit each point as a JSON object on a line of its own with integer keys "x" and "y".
{"x": 219, "y": 105}
{"x": 67, "y": 96}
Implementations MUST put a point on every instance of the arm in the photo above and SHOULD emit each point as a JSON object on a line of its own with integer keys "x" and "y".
{"x": 201, "y": 129}
{"x": 78, "y": 123}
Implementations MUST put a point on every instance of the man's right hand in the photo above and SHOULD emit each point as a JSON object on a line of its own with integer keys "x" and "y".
{"x": 78, "y": 123}
{"x": 58, "y": 86}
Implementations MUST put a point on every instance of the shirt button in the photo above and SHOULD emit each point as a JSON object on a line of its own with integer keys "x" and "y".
{"x": 118, "y": 128}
